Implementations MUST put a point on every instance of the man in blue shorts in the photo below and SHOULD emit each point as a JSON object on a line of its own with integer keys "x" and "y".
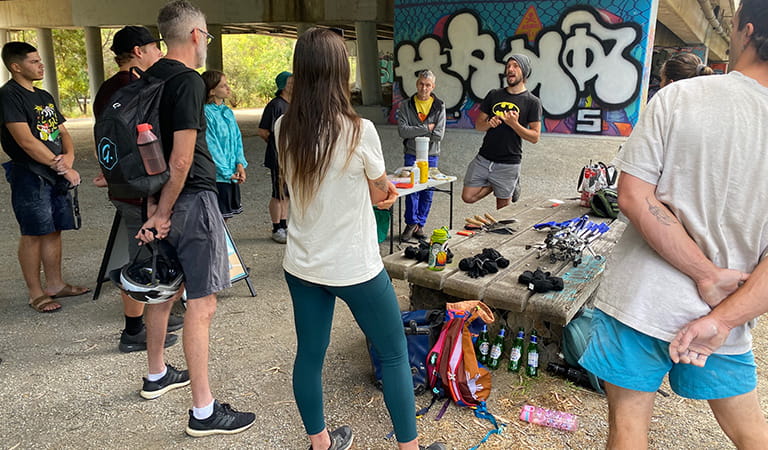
{"x": 508, "y": 116}
{"x": 40, "y": 172}
{"x": 692, "y": 184}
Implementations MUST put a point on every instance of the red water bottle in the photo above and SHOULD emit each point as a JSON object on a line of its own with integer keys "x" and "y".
{"x": 150, "y": 150}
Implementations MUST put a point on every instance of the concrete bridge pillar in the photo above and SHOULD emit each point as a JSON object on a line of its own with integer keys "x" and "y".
{"x": 215, "y": 59}
{"x": 93, "y": 53}
{"x": 4, "y": 74}
{"x": 45, "y": 48}
{"x": 368, "y": 63}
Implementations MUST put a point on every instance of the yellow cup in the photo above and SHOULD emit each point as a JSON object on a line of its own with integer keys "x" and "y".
{"x": 423, "y": 171}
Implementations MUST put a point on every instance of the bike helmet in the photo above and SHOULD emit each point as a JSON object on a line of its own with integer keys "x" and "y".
{"x": 155, "y": 279}
{"x": 605, "y": 203}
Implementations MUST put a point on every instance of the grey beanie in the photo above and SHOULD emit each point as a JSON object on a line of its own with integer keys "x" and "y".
{"x": 523, "y": 62}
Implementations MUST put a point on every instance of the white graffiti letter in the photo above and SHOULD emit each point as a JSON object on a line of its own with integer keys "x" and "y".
{"x": 615, "y": 78}
{"x": 471, "y": 49}
{"x": 447, "y": 87}
{"x": 558, "y": 93}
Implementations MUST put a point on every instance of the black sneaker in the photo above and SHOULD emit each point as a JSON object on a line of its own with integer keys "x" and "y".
{"x": 175, "y": 323}
{"x": 224, "y": 420}
{"x": 138, "y": 342}
{"x": 434, "y": 446}
{"x": 173, "y": 379}
{"x": 341, "y": 438}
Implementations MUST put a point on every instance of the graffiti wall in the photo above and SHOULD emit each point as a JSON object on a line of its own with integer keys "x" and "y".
{"x": 590, "y": 61}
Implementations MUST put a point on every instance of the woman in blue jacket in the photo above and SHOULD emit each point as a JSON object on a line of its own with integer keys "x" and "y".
{"x": 225, "y": 143}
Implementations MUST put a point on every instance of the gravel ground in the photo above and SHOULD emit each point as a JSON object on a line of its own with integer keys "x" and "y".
{"x": 65, "y": 385}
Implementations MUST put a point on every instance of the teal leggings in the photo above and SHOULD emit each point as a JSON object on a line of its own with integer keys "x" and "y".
{"x": 374, "y": 306}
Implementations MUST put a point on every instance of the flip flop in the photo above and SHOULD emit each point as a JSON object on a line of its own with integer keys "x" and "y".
{"x": 41, "y": 302}
{"x": 71, "y": 291}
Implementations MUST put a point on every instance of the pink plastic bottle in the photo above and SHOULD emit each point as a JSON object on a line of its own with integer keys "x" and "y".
{"x": 150, "y": 150}
{"x": 549, "y": 418}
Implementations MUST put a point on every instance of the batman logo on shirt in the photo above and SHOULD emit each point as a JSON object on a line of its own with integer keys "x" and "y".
{"x": 500, "y": 108}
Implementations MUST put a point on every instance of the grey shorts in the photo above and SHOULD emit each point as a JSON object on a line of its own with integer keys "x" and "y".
{"x": 501, "y": 177}
{"x": 198, "y": 235}
{"x": 131, "y": 215}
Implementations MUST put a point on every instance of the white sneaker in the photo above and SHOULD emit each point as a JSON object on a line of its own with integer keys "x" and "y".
{"x": 280, "y": 236}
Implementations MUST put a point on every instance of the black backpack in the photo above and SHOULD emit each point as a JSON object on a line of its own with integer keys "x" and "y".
{"x": 115, "y": 135}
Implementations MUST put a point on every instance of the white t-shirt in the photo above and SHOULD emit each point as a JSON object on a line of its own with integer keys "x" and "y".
{"x": 704, "y": 143}
{"x": 334, "y": 242}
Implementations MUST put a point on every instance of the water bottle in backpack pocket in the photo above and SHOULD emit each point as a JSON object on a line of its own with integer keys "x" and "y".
{"x": 421, "y": 330}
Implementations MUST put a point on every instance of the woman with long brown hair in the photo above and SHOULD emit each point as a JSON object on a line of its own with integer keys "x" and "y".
{"x": 332, "y": 164}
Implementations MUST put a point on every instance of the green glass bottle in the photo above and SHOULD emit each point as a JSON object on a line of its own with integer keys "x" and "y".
{"x": 483, "y": 346}
{"x": 532, "y": 370}
{"x": 516, "y": 354}
{"x": 497, "y": 349}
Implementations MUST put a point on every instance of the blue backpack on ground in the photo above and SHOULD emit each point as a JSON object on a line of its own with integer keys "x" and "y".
{"x": 115, "y": 135}
{"x": 421, "y": 330}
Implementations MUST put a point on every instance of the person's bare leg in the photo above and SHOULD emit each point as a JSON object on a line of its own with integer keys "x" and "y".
{"x": 502, "y": 202}
{"x": 321, "y": 440}
{"x": 475, "y": 194}
{"x": 410, "y": 445}
{"x": 283, "y": 209}
{"x": 50, "y": 253}
{"x": 156, "y": 321}
{"x": 275, "y": 210}
{"x": 629, "y": 417}
{"x": 742, "y": 420}
{"x": 29, "y": 259}
{"x": 131, "y": 307}
{"x": 197, "y": 321}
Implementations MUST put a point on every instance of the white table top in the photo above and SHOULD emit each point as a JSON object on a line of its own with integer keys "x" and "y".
{"x": 422, "y": 186}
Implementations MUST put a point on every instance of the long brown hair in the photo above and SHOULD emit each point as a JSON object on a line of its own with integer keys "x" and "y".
{"x": 318, "y": 114}
{"x": 211, "y": 78}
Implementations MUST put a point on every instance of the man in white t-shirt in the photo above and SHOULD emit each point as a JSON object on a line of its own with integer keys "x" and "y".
{"x": 694, "y": 189}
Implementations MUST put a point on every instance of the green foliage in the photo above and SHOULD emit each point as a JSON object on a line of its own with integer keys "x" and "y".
{"x": 71, "y": 64}
{"x": 251, "y": 63}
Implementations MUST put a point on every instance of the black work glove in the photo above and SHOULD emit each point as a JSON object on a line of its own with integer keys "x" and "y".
{"x": 411, "y": 252}
{"x": 502, "y": 262}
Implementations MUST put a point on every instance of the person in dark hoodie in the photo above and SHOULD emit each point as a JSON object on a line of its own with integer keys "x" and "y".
{"x": 421, "y": 115}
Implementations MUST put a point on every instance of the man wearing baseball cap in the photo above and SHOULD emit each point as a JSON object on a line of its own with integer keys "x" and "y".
{"x": 278, "y": 204}
{"x": 508, "y": 116}
{"x": 133, "y": 47}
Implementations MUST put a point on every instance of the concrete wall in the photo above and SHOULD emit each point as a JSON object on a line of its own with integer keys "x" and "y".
{"x": 589, "y": 61}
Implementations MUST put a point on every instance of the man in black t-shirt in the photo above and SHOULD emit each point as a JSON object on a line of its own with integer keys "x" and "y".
{"x": 133, "y": 47}
{"x": 278, "y": 204}
{"x": 196, "y": 228}
{"x": 507, "y": 116}
{"x": 40, "y": 173}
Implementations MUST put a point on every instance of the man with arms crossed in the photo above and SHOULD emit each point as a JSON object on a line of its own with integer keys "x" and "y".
{"x": 694, "y": 189}
{"x": 422, "y": 115}
{"x": 196, "y": 229}
{"x": 507, "y": 116}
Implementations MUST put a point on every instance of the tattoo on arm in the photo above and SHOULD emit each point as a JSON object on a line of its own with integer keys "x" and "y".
{"x": 662, "y": 217}
{"x": 381, "y": 185}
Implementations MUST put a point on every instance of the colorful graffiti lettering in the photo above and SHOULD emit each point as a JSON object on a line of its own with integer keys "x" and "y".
{"x": 588, "y": 66}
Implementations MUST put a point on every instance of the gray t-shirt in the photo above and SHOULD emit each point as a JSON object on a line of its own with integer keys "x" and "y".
{"x": 703, "y": 143}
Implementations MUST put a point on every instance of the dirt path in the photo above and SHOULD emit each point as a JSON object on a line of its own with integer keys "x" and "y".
{"x": 65, "y": 385}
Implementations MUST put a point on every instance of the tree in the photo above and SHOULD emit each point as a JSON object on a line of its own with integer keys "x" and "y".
{"x": 251, "y": 63}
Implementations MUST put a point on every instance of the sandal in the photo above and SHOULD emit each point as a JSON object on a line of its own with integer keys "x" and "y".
{"x": 71, "y": 291}
{"x": 41, "y": 302}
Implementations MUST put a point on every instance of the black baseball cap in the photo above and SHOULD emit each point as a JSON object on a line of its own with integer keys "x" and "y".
{"x": 129, "y": 37}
